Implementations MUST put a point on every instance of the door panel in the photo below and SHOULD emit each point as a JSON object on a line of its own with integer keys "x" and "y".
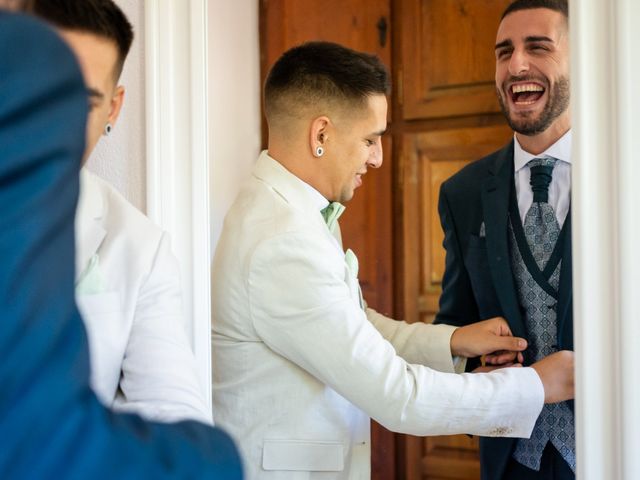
{"x": 448, "y": 57}
{"x": 428, "y": 159}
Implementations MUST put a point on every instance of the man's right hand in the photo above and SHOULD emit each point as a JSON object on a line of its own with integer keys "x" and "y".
{"x": 556, "y": 374}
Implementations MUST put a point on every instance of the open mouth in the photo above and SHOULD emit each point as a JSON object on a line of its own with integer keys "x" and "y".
{"x": 523, "y": 94}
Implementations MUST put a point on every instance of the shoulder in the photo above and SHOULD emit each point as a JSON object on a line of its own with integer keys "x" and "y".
{"x": 264, "y": 213}
{"x": 43, "y": 102}
{"x": 22, "y": 38}
{"x": 264, "y": 227}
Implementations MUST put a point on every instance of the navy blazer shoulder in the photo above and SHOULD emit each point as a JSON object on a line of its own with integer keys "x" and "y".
{"x": 51, "y": 423}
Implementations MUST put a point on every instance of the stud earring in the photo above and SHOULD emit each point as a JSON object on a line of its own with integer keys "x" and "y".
{"x": 107, "y": 129}
{"x": 319, "y": 151}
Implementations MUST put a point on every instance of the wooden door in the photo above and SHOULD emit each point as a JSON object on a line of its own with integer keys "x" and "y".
{"x": 367, "y": 224}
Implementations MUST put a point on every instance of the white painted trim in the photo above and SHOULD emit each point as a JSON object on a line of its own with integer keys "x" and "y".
{"x": 177, "y": 154}
{"x": 606, "y": 198}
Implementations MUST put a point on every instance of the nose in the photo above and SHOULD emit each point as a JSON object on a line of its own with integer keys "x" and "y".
{"x": 375, "y": 158}
{"x": 518, "y": 63}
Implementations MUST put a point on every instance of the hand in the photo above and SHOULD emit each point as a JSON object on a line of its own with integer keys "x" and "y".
{"x": 492, "y": 337}
{"x": 556, "y": 373}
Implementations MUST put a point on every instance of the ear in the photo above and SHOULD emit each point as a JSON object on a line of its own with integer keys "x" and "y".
{"x": 318, "y": 133}
{"x": 116, "y": 105}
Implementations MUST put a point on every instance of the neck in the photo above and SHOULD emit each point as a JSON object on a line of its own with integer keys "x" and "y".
{"x": 299, "y": 162}
{"x": 536, "y": 144}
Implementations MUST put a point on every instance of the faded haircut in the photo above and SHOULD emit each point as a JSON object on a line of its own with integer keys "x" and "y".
{"x": 322, "y": 73}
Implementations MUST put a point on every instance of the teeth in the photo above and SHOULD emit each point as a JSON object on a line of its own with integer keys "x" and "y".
{"x": 527, "y": 87}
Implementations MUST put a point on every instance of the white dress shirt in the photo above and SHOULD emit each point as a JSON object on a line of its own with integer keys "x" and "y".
{"x": 560, "y": 187}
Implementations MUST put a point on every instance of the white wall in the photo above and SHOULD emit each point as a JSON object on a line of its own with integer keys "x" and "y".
{"x": 234, "y": 101}
{"x": 120, "y": 158}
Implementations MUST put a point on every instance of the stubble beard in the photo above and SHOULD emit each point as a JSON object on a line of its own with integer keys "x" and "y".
{"x": 556, "y": 105}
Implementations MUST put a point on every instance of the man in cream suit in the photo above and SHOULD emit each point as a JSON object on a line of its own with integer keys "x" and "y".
{"x": 127, "y": 280}
{"x": 300, "y": 364}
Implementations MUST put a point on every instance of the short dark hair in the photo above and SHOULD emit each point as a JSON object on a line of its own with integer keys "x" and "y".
{"x": 15, "y": 5}
{"x": 99, "y": 17}
{"x": 317, "y": 72}
{"x": 561, "y": 6}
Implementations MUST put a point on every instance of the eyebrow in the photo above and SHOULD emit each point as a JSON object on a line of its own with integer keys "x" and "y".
{"x": 538, "y": 39}
{"x": 530, "y": 39}
{"x": 380, "y": 133}
{"x": 94, "y": 93}
{"x": 504, "y": 43}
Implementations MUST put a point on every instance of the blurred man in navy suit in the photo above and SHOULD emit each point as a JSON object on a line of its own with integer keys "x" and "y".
{"x": 51, "y": 423}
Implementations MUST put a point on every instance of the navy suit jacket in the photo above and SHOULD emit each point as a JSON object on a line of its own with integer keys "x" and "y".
{"x": 51, "y": 424}
{"x": 478, "y": 282}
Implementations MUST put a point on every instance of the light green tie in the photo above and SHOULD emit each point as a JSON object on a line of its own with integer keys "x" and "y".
{"x": 331, "y": 213}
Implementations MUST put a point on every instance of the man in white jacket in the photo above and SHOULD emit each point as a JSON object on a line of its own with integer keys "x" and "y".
{"x": 300, "y": 364}
{"x": 127, "y": 280}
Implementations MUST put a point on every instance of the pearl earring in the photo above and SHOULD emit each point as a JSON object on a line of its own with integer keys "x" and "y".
{"x": 319, "y": 151}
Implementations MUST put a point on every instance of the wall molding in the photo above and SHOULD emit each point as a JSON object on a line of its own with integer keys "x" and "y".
{"x": 178, "y": 154}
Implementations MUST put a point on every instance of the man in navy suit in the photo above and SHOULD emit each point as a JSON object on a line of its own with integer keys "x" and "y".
{"x": 507, "y": 227}
{"x": 51, "y": 424}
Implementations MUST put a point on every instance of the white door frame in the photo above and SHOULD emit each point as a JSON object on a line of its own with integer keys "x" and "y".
{"x": 606, "y": 218}
{"x": 178, "y": 154}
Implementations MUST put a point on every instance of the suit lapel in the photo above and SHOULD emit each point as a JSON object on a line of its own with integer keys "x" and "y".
{"x": 495, "y": 208}
{"x": 89, "y": 230}
{"x": 291, "y": 189}
{"x": 565, "y": 294}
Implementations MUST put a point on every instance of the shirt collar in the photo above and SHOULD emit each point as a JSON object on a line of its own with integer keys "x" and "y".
{"x": 560, "y": 150}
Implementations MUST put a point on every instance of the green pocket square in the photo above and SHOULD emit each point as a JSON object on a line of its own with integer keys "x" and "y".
{"x": 352, "y": 262}
{"x": 90, "y": 281}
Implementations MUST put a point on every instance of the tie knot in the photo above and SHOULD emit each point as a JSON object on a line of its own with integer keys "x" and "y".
{"x": 541, "y": 174}
{"x": 331, "y": 213}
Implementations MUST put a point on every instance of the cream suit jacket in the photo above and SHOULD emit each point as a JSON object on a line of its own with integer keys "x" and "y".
{"x": 299, "y": 366}
{"x": 128, "y": 292}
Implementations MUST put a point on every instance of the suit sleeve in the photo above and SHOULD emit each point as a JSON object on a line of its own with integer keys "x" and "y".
{"x": 420, "y": 343}
{"x": 302, "y": 309}
{"x": 159, "y": 373}
{"x": 457, "y": 303}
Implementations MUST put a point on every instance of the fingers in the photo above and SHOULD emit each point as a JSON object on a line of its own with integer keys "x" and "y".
{"x": 499, "y": 326}
{"x": 485, "y": 337}
{"x": 498, "y": 358}
{"x": 514, "y": 344}
{"x": 487, "y": 368}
